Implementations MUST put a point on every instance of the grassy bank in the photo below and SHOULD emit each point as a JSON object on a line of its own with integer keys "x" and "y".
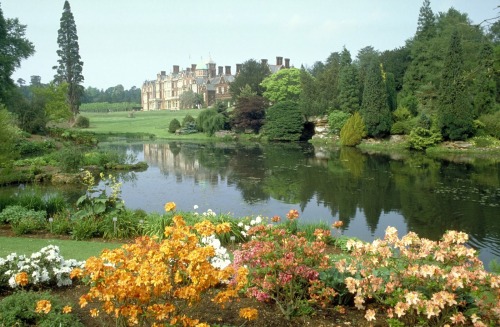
{"x": 79, "y": 250}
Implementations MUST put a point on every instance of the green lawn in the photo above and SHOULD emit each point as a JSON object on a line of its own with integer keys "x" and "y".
{"x": 79, "y": 250}
{"x": 151, "y": 122}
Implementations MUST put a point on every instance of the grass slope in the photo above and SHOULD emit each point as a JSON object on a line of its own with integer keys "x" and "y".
{"x": 151, "y": 122}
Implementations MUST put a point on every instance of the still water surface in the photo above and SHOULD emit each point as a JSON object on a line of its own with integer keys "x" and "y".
{"x": 367, "y": 192}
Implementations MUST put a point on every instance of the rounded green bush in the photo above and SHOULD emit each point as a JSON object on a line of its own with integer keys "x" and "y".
{"x": 82, "y": 122}
{"x": 174, "y": 125}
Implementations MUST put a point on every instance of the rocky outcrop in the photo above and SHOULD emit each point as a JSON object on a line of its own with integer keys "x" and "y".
{"x": 321, "y": 129}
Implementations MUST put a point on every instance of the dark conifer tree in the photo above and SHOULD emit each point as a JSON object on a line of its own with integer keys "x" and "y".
{"x": 484, "y": 84}
{"x": 374, "y": 108}
{"x": 70, "y": 65}
{"x": 349, "y": 90}
{"x": 455, "y": 114}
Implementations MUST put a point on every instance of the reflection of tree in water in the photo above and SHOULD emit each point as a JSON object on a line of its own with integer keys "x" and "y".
{"x": 247, "y": 172}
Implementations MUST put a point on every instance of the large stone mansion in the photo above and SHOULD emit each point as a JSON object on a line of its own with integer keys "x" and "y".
{"x": 206, "y": 78}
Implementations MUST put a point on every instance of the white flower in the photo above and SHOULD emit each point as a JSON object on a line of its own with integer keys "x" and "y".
{"x": 195, "y": 207}
{"x": 246, "y": 228}
{"x": 240, "y": 224}
{"x": 258, "y": 219}
{"x": 252, "y": 222}
{"x": 244, "y": 233}
{"x": 12, "y": 281}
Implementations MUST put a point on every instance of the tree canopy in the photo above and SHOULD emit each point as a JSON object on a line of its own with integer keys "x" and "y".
{"x": 252, "y": 73}
{"x": 283, "y": 85}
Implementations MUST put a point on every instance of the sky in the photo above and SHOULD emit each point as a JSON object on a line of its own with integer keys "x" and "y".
{"x": 129, "y": 41}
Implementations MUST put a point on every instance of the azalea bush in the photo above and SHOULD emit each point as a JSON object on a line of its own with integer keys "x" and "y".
{"x": 43, "y": 268}
{"x": 421, "y": 282}
{"x": 284, "y": 268}
{"x": 151, "y": 282}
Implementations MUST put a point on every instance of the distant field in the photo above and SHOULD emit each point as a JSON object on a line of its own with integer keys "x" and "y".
{"x": 151, "y": 122}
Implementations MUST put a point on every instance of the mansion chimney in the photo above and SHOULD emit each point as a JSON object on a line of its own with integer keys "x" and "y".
{"x": 163, "y": 73}
{"x": 287, "y": 62}
{"x": 228, "y": 70}
{"x": 279, "y": 61}
{"x": 193, "y": 67}
{"x": 211, "y": 70}
{"x": 176, "y": 69}
{"x": 238, "y": 68}
{"x": 221, "y": 69}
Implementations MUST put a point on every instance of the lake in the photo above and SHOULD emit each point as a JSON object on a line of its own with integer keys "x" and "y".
{"x": 367, "y": 192}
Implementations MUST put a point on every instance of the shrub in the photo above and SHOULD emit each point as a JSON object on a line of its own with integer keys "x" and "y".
{"x": 174, "y": 125}
{"x": 36, "y": 309}
{"x": 23, "y": 220}
{"x": 189, "y": 128}
{"x": 85, "y": 228}
{"x": 69, "y": 159}
{"x": 491, "y": 124}
{"x": 210, "y": 121}
{"x": 126, "y": 226}
{"x": 284, "y": 122}
{"x": 353, "y": 131}
{"x": 337, "y": 120}
{"x": 283, "y": 268}
{"x": 421, "y": 138}
{"x": 401, "y": 114}
{"x": 402, "y": 127}
{"x": 32, "y": 148}
{"x": 82, "y": 122}
{"x": 187, "y": 120}
{"x": 130, "y": 288}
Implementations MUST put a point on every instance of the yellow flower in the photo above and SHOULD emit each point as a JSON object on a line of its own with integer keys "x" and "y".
{"x": 67, "y": 309}
{"x": 43, "y": 306}
{"x": 338, "y": 224}
{"x": 22, "y": 278}
{"x": 94, "y": 313}
{"x": 249, "y": 313}
{"x": 170, "y": 206}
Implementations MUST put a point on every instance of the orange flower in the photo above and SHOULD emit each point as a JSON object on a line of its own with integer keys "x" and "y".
{"x": 76, "y": 273}
{"x": 170, "y": 206}
{"x": 67, "y": 309}
{"x": 94, "y": 313}
{"x": 249, "y": 313}
{"x": 43, "y": 306}
{"x": 223, "y": 228}
{"x": 276, "y": 219}
{"x": 22, "y": 278}
{"x": 292, "y": 214}
{"x": 338, "y": 224}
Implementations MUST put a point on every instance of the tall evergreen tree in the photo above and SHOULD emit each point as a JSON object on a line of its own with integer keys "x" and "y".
{"x": 252, "y": 73}
{"x": 70, "y": 65}
{"x": 328, "y": 83}
{"x": 455, "y": 113}
{"x": 484, "y": 84}
{"x": 426, "y": 21}
{"x": 374, "y": 108}
{"x": 349, "y": 91}
{"x": 13, "y": 48}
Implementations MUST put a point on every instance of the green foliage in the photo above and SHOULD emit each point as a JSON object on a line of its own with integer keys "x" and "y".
{"x": 69, "y": 69}
{"x": 283, "y": 85}
{"x": 34, "y": 148}
{"x": 23, "y": 220}
{"x": 337, "y": 120}
{"x": 8, "y": 135}
{"x": 309, "y": 102}
{"x": 189, "y": 99}
{"x": 210, "y": 121}
{"x": 252, "y": 74}
{"x": 61, "y": 224}
{"x": 18, "y": 309}
{"x": 187, "y": 120}
{"x": 353, "y": 131}
{"x": 455, "y": 113}
{"x": 485, "y": 87}
{"x": 401, "y": 114}
{"x": 127, "y": 225}
{"x": 374, "y": 108}
{"x": 491, "y": 124}
{"x": 284, "y": 122}
{"x": 421, "y": 138}
{"x": 86, "y": 228}
{"x": 69, "y": 159}
{"x": 82, "y": 122}
{"x": 174, "y": 125}
{"x": 349, "y": 91}
{"x": 14, "y": 47}
{"x": 402, "y": 127}
{"x": 52, "y": 98}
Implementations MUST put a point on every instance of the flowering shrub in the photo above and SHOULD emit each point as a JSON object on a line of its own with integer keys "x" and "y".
{"x": 149, "y": 282}
{"x": 282, "y": 267}
{"x": 422, "y": 281}
{"x": 46, "y": 267}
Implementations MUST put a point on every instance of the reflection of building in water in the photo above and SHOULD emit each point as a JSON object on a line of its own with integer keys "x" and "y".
{"x": 172, "y": 159}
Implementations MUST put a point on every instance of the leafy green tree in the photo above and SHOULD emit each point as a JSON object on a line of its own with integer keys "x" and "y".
{"x": 70, "y": 65}
{"x": 366, "y": 56}
{"x": 174, "y": 125}
{"x": 484, "y": 84}
{"x": 284, "y": 122}
{"x": 53, "y": 99}
{"x": 353, "y": 130}
{"x": 327, "y": 83}
{"x": 396, "y": 61}
{"x": 374, "y": 108}
{"x": 14, "y": 47}
{"x": 8, "y": 136}
{"x": 390, "y": 86}
{"x": 188, "y": 100}
{"x": 455, "y": 115}
{"x": 308, "y": 99}
{"x": 252, "y": 73}
{"x": 283, "y": 85}
{"x": 249, "y": 113}
{"x": 210, "y": 121}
